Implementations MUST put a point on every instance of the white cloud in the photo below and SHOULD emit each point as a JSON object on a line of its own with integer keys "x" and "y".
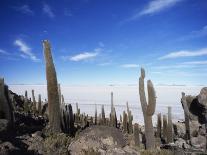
{"x": 158, "y": 5}
{"x": 129, "y": 66}
{"x": 195, "y": 63}
{"x": 81, "y": 56}
{"x": 185, "y": 53}
{"x": 25, "y": 9}
{"x": 4, "y": 52}
{"x": 48, "y": 11}
{"x": 25, "y": 49}
{"x": 152, "y": 7}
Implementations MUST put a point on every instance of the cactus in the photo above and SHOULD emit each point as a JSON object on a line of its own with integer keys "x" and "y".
{"x": 34, "y": 109}
{"x": 113, "y": 113}
{"x": 187, "y": 119}
{"x": 26, "y": 103}
{"x": 169, "y": 127}
{"x": 147, "y": 109}
{"x": 164, "y": 130}
{"x": 39, "y": 105}
{"x": 77, "y": 114}
{"x": 26, "y": 95}
{"x": 103, "y": 115}
{"x": 130, "y": 119}
{"x": 120, "y": 119}
{"x": 136, "y": 135}
{"x": 130, "y": 126}
{"x": 52, "y": 90}
{"x": 67, "y": 120}
{"x": 125, "y": 122}
{"x": 71, "y": 120}
{"x": 95, "y": 115}
{"x": 6, "y": 107}
{"x": 159, "y": 125}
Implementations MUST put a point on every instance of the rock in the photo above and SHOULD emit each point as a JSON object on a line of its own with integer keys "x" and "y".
{"x": 102, "y": 139}
{"x": 37, "y": 133}
{"x": 199, "y": 142}
{"x": 35, "y": 144}
{"x": 181, "y": 143}
{"x": 4, "y": 124}
{"x": 180, "y": 126}
{"x": 7, "y": 148}
{"x": 194, "y": 129}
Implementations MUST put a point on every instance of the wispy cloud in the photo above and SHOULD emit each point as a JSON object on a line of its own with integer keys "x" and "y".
{"x": 48, "y": 10}
{"x": 4, "y": 52}
{"x": 184, "y": 53}
{"x": 195, "y": 63}
{"x": 84, "y": 56}
{"x": 26, "y": 50}
{"x": 195, "y": 34}
{"x": 129, "y": 66}
{"x": 25, "y": 9}
{"x": 154, "y": 6}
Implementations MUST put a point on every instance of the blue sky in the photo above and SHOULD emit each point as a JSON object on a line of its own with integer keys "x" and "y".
{"x": 105, "y": 42}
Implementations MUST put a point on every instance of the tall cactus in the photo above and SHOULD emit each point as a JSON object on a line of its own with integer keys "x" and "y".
{"x": 147, "y": 109}
{"x": 34, "y": 107}
{"x": 39, "y": 105}
{"x": 26, "y": 103}
{"x": 187, "y": 119}
{"x": 169, "y": 127}
{"x": 136, "y": 135}
{"x": 130, "y": 119}
{"x": 52, "y": 89}
{"x": 125, "y": 126}
{"x": 6, "y": 108}
{"x": 164, "y": 130}
{"x": 159, "y": 125}
{"x": 113, "y": 113}
{"x": 95, "y": 115}
{"x": 103, "y": 115}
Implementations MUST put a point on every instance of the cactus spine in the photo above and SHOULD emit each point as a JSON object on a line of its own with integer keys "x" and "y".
{"x": 147, "y": 109}
{"x": 52, "y": 89}
{"x": 187, "y": 119}
{"x": 169, "y": 127}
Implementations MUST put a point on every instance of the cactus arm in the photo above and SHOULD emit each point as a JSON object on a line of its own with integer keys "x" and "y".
{"x": 184, "y": 102}
{"x": 151, "y": 98}
{"x": 142, "y": 95}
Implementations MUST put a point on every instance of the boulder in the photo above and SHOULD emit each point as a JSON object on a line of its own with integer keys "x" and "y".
{"x": 199, "y": 142}
{"x": 7, "y": 148}
{"x": 4, "y": 125}
{"x": 102, "y": 140}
